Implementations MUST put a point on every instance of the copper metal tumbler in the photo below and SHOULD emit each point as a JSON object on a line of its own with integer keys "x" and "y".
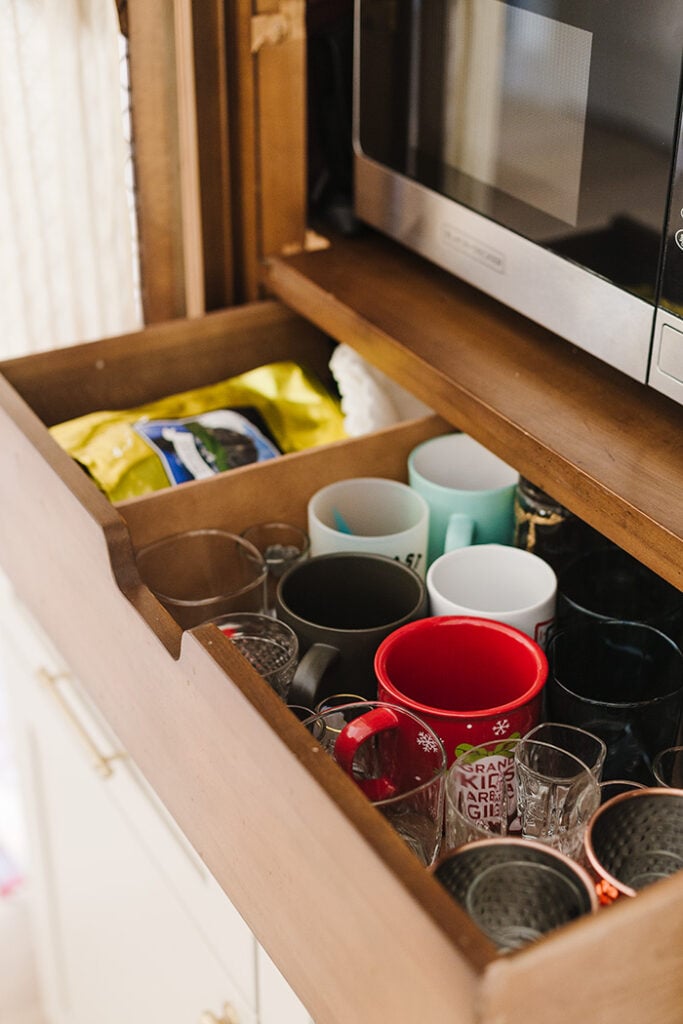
{"x": 516, "y": 890}
{"x": 635, "y": 839}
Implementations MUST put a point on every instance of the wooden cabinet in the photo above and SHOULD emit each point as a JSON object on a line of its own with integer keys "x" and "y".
{"x": 358, "y": 928}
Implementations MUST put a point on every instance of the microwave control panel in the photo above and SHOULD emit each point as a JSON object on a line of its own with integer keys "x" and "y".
{"x": 666, "y": 370}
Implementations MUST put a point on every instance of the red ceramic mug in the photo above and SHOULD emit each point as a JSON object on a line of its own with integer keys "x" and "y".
{"x": 470, "y": 679}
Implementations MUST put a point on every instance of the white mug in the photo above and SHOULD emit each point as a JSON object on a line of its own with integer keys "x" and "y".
{"x": 370, "y": 514}
{"x": 495, "y": 581}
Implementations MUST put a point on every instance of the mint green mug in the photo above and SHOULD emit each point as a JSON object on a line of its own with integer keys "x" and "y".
{"x": 469, "y": 490}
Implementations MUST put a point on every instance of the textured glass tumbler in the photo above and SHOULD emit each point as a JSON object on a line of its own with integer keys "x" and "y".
{"x": 582, "y": 744}
{"x": 201, "y": 574}
{"x": 556, "y": 795}
{"x": 270, "y": 646}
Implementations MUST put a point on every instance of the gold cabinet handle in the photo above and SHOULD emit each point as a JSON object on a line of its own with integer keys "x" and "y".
{"x": 228, "y": 1016}
{"x": 102, "y": 762}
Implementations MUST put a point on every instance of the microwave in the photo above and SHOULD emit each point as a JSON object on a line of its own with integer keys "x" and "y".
{"x": 533, "y": 148}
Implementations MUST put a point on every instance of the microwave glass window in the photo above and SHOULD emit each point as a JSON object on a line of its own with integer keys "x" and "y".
{"x": 554, "y": 118}
{"x": 516, "y": 85}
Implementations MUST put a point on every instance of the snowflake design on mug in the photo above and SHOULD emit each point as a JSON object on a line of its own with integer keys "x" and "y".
{"x": 501, "y": 727}
{"x": 427, "y": 742}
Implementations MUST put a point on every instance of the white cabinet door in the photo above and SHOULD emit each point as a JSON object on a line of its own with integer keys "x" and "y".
{"x": 125, "y": 936}
{"x": 278, "y": 1004}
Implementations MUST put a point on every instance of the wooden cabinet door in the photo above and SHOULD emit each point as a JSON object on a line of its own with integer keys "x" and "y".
{"x": 218, "y": 110}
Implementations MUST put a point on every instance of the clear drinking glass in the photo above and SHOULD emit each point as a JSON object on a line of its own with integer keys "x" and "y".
{"x": 271, "y": 646}
{"x": 281, "y": 546}
{"x": 481, "y": 799}
{"x": 583, "y": 744}
{"x": 556, "y": 795}
{"x": 667, "y": 767}
{"x": 198, "y": 575}
{"x": 396, "y": 760}
{"x": 614, "y": 787}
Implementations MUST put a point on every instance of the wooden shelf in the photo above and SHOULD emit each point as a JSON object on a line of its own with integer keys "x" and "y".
{"x": 604, "y": 445}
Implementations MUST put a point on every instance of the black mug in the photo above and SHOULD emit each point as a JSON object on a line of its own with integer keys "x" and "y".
{"x": 622, "y": 681}
{"x": 608, "y": 583}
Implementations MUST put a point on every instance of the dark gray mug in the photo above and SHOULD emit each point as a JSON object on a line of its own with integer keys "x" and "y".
{"x": 341, "y": 606}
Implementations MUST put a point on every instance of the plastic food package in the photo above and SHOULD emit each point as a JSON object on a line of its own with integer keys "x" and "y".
{"x": 277, "y": 408}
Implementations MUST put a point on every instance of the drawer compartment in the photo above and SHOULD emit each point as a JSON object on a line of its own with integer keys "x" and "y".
{"x": 361, "y": 931}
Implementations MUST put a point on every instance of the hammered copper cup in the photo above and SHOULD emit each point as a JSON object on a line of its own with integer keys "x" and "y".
{"x": 635, "y": 839}
{"x": 516, "y": 890}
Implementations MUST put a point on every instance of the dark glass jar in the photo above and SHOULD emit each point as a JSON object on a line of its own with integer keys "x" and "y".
{"x": 548, "y": 529}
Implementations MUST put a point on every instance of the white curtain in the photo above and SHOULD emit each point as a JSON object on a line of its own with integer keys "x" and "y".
{"x": 67, "y": 242}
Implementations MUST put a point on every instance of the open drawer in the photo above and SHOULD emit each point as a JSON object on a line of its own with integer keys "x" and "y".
{"x": 361, "y": 931}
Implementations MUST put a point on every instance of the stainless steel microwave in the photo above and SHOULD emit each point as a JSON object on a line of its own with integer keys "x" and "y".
{"x": 533, "y": 148}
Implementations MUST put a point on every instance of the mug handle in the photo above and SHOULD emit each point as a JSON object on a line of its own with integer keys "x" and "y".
{"x": 309, "y": 673}
{"x": 459, "y": 532}
{"x": 352, "y": 736}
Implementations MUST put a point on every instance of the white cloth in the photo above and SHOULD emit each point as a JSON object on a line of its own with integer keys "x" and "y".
{"x": 369, "y": 399}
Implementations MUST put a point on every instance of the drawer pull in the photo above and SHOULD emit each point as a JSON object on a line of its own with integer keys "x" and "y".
{"x": 228, "y": 1016}
{"x": 102, "y": 762}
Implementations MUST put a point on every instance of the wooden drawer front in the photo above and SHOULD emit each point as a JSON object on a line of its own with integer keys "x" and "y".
{"x": 361, "y": 931}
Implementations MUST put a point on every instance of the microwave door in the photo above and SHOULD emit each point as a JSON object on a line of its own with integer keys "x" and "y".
{"x": 527, "y": 148}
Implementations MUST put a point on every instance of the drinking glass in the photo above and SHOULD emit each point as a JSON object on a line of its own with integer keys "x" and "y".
{"x": 270, "y": 646}
{"x": 281, "y": 545}
{"x": 622, "y": 681}
{"x": 198, "y": 575}
{"x": 396, "y": 760}
{"x": 481, "y": 796}
{"x": 337, "y": 702}
{"x": 583, "y": 744}
{"x": 613, "y": 787}
{"x": 556, "y": 795}
{"x": 667, "y": 767}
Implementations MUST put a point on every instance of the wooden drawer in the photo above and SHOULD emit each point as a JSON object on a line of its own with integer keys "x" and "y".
{"x": 360, "y": 930}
